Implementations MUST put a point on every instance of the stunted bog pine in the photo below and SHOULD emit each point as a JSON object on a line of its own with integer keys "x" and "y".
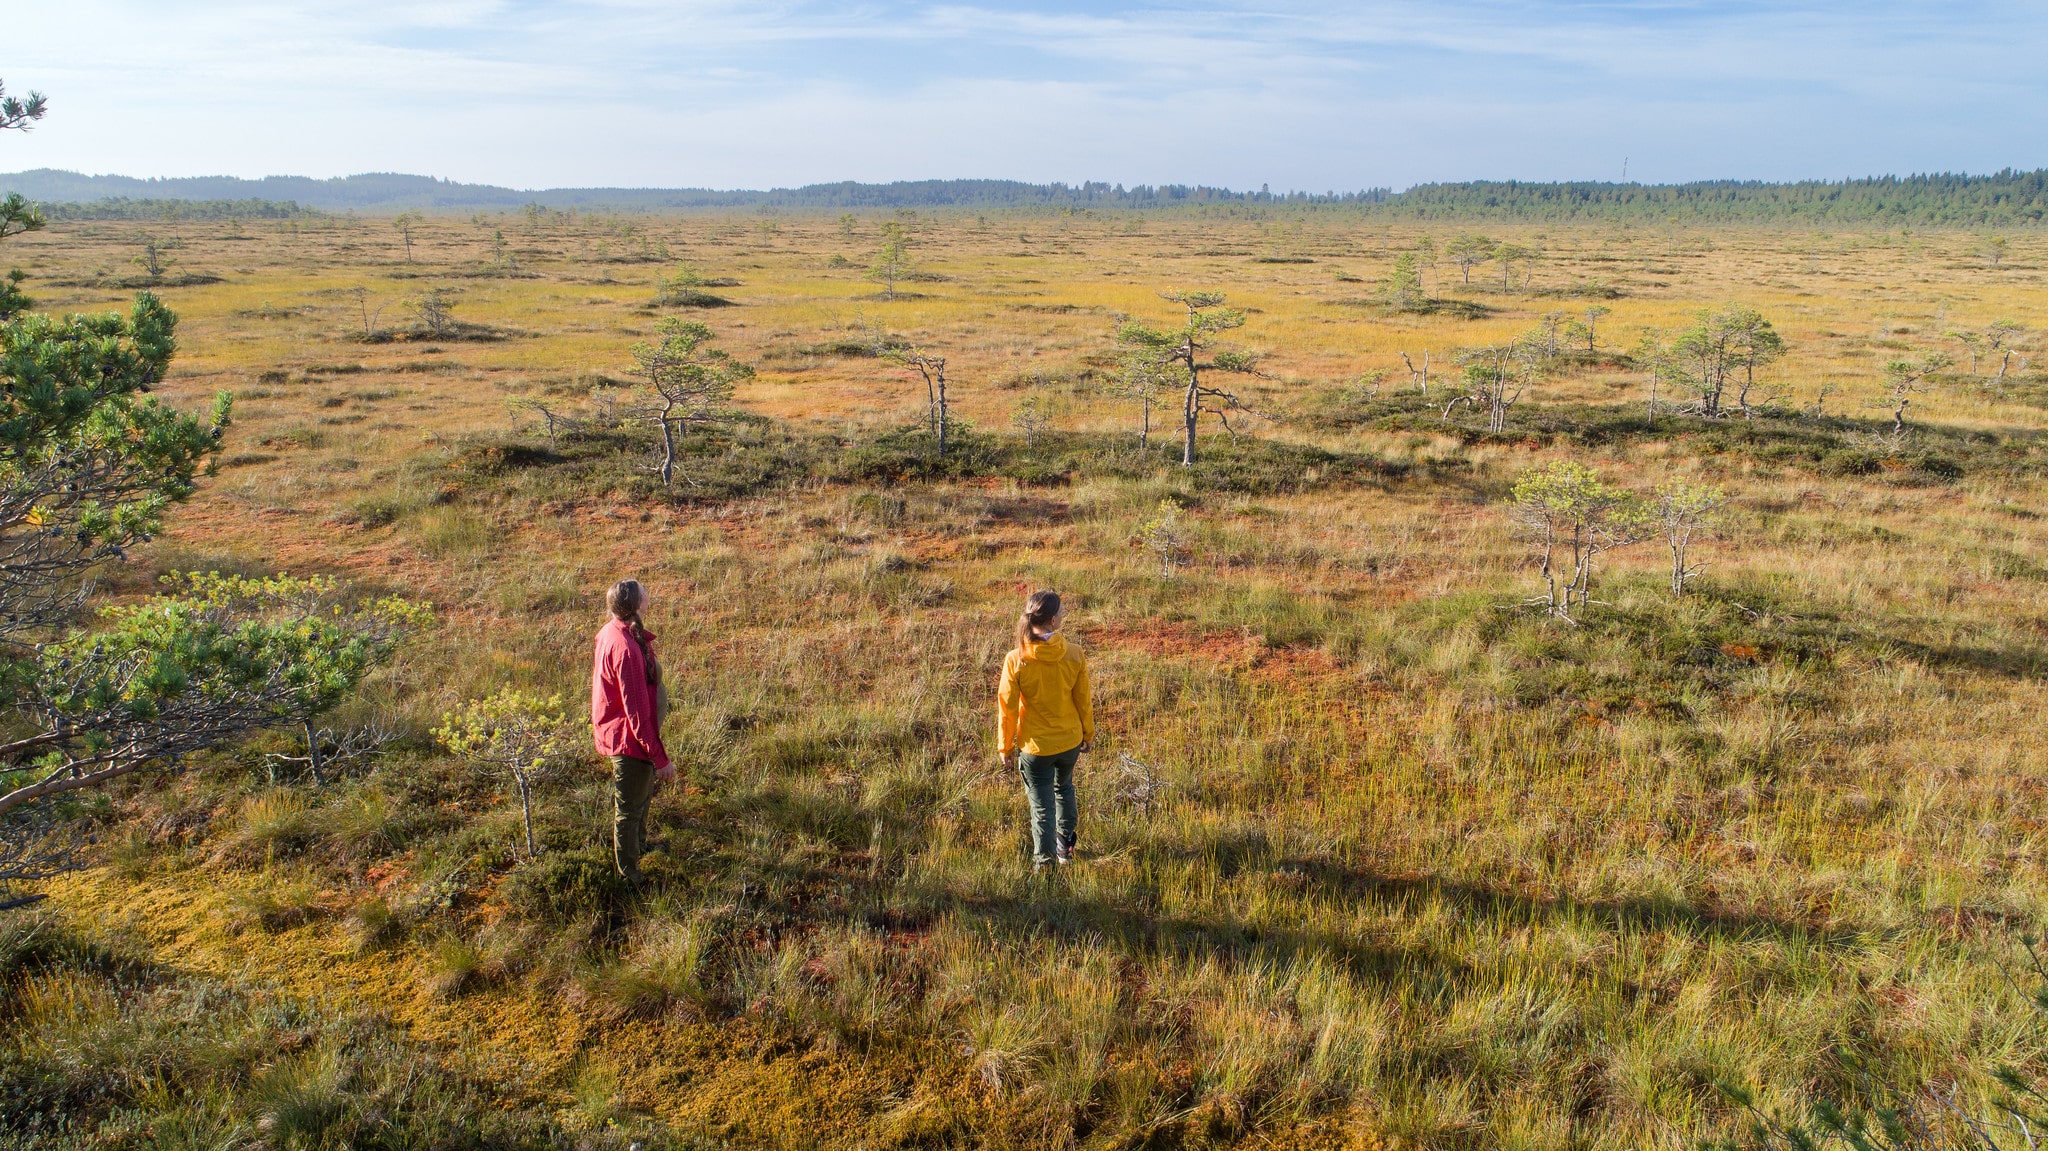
{"x": 1721, "y": 350}
{"x": 1569, "y": 516}
{"x": 215, "y": 658}
{"x": 1189, "y": 352}
{"x": 692, "y": 382}
{"x": 1904, "y": 379}
{"x": 1684, "y": 513}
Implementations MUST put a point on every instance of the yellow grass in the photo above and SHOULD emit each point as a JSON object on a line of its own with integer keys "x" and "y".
{"x": 1430, "y": 872}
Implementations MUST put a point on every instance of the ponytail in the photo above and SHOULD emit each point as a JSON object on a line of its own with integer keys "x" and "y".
{"x": 1039, "y": 611}
{"x": 624, "y": 599}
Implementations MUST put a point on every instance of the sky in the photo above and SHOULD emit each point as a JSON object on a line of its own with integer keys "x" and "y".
{"x": 1295, "y": 94}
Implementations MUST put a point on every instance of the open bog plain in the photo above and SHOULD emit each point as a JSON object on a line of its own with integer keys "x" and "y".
{"x": 1374, "y": 851}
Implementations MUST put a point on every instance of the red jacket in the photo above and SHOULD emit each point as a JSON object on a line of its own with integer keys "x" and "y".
{"x": 621, "y": 699}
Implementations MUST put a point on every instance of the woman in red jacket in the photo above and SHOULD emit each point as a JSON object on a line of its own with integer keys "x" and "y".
{"x": 628, "y": 701}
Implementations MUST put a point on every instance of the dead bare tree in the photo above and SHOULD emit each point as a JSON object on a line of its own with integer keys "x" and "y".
{"x": 552, "y": 420}
{"x": 369, "y": 318}
{"x": 1137, "y": 785}
{"x": 930, "y": 368}
{"x": 330, "y": 749}
{"x": 1419, "y": 376}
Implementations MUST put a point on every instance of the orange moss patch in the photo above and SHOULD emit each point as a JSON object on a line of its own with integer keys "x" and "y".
{"x": 734, "y": 1080}
{"x": 1242, "y": 651}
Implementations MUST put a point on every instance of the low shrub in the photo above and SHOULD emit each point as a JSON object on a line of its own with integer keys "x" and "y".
{"x": 691, "y": 298}
{"x": 1827, "y": 445}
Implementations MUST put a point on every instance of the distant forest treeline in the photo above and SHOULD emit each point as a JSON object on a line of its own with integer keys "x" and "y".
{"x": 122, "y": 208}
{"x": 2005, "y": 199}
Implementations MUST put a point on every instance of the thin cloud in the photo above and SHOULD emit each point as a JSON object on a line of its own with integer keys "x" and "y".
{"x": 1287, "y": 92}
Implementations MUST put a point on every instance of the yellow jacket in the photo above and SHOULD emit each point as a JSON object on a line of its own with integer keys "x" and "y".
{"x": 1043, "y": 700}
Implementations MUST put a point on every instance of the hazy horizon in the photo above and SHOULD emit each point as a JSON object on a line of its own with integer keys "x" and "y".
{"x": 1292, "y": 94}
{"x": 1265, "y": 185}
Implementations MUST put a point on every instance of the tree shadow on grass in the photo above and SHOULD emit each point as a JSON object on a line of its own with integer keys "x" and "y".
{"x": 1136, "y": 924}
{"x": 1484, "y": 902}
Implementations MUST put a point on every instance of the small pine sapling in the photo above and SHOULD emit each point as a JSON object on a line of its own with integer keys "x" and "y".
{"x": 1182, "y": 351}
{"x": 1495, "y": 378}
{"x": 1590, "y": 325}
{"x": 1684, "y": 513}
{"x": 523, "y": 736}
{"x": 1029, "y": 418}
{"x": 1366, "y": 388}
{"x": 1167, "y": 538}
{"x": 2004, "y": 339}
{"x": 1511, "y": 254}
{"x": 155, "y": 257}
{"x": 365, "y": 634}
{"x": 405, "y": 222}
{"x": 436, "y": 309}
{"x": 216, "y": 658}
{"x": 1468, "y": 251}
{"x": 1719, "y": 351}
{"x": 892, "y": 263}
{"x": 1143, "y": 378}
{"x": 1402, "y": 290}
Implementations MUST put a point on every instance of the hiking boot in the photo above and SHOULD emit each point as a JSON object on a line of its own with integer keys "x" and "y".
{"x": 1064, "y": 853}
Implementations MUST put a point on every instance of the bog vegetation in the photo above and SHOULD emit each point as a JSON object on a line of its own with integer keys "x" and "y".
{"x": 1592, "y": 702}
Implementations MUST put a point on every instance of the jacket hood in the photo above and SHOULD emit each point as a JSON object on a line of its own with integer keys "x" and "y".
{"x": 1047, "y": 651}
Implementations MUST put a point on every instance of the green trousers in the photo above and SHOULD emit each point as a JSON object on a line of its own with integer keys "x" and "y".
{"x": 1049, "y": 783}
{"x": 632, "y": 787}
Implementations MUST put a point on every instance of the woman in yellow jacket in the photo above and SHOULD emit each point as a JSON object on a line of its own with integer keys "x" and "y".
{"x": 1046, "y": 722}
